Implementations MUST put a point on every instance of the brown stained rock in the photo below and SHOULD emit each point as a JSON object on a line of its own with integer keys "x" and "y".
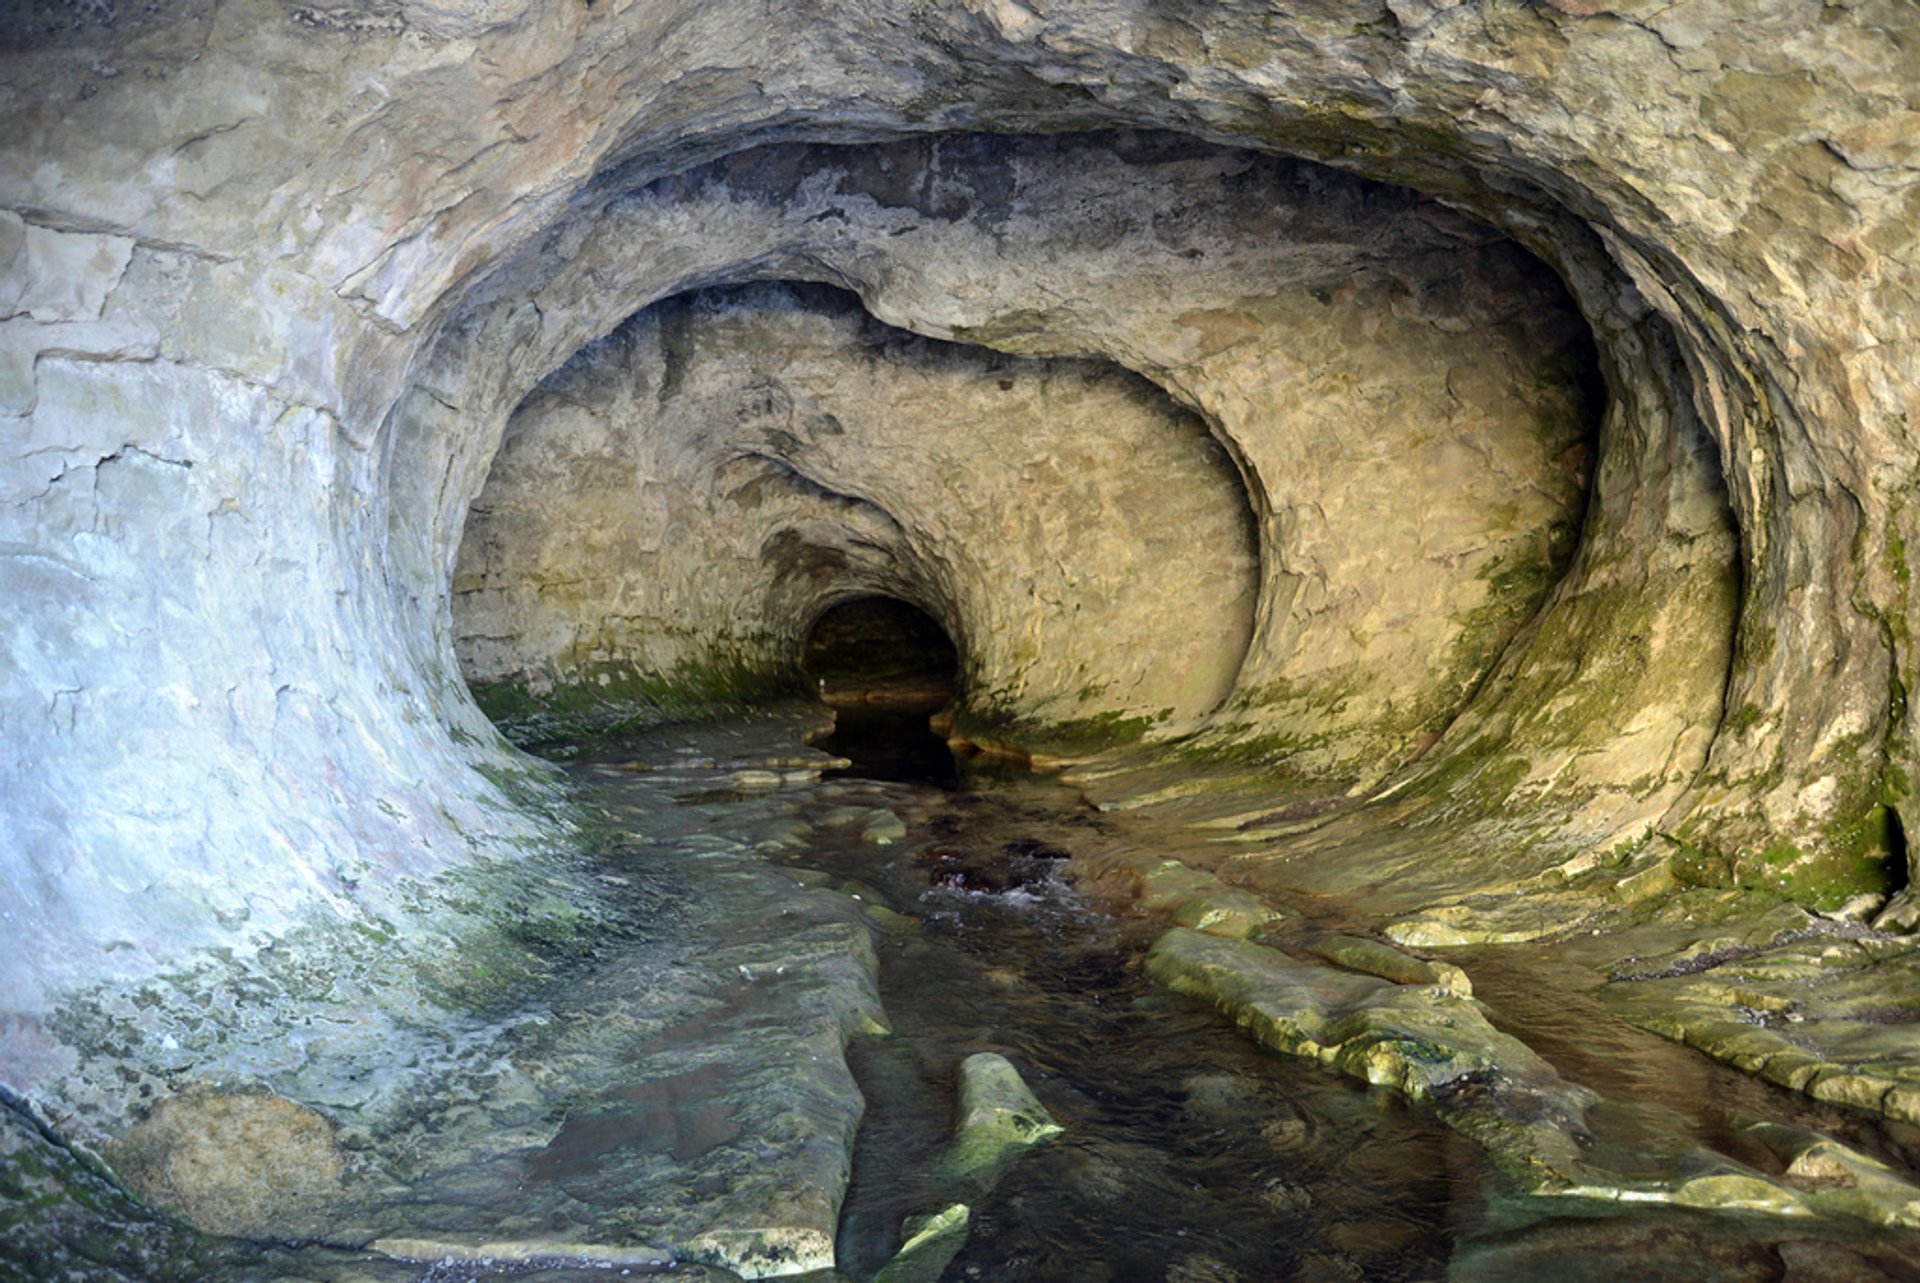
{"x": 254, "y": 1165}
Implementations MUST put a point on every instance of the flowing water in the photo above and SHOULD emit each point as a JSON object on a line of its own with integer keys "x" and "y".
{"x": 1189, "y": 1154}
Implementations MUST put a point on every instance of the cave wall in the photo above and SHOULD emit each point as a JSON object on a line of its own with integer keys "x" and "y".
{"x": 271, "y": 276}
{"x": 684, "y": 498}
{"x": 1399, "y": 387}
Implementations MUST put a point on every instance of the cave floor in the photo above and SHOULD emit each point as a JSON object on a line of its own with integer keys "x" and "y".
{"x": 748, "y": 1067}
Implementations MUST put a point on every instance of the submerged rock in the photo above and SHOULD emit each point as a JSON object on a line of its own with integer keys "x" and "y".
{"x": 1417, "y": 1041}
{"x": 931, "y": 1242}
{"x": 1551, "y": 1136}
{"x": 1194, "y": 897}
{"x": 1803, "y": 1007}
{"x": 999, "y": 1118}
{"x": 1838, "y": 1179}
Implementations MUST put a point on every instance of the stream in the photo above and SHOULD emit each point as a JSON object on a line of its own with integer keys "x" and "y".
{"x": 1189, "y": 1154}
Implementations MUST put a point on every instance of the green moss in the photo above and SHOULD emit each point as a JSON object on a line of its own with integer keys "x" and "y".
{"x": 1480, "y": 774}
{"x": 1237, "y": 745}
{"x": 488, "y": 973}
{"x": 1850, "y": 859}
{"x": 1110, "y": 729}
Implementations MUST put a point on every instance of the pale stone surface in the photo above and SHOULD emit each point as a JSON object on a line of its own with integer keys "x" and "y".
{"x": 259, "y": 1166}
{"x": 678, "y": 504}
{"x": 1378, "y": 959}
{"x": 357, "y": 236}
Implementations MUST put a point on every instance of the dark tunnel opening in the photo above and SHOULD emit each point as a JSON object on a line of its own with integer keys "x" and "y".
{"x": 880, "y": 651}
{"x": 884, "y": 666}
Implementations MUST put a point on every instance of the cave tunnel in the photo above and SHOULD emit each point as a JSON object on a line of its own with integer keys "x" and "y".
{"x": 880, "y": 650}
{"x": 1422, "y": 491}
{"x": 1297, "y": 495}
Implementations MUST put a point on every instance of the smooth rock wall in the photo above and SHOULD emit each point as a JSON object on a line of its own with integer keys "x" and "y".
{"x": 322, "y": 250}
{"x": 678, "y": 504}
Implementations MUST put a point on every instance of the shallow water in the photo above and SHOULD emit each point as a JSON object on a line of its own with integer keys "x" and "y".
{"x": 1190, "y": 1154}
{"x": 1187, "y": 1149}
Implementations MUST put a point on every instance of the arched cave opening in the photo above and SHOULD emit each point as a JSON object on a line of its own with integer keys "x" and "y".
{"x": 1234, "y": 409}
{"x": 882, "y": 651}
{"x": 1280, "y": 491}
{"x": 884, "y": 666}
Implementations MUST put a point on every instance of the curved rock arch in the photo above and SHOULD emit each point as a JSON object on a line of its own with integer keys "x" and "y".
{"x": 1728, "y": 195}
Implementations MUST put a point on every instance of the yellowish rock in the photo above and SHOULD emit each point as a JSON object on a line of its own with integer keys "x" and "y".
{"x": 254, "y": 1164}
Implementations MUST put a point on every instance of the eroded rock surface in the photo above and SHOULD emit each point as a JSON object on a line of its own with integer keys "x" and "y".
{"x": 681, "y": 501}
{"x": 273, "y": 278}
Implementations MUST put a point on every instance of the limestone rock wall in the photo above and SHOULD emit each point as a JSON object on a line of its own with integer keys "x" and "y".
{"x": 274, "y": 274}
{"x": 680, "y": 502}
{"x": 1400, "y": 388}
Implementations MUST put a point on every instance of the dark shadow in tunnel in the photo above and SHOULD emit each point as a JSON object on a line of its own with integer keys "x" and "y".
{"x": 884, "y": 667}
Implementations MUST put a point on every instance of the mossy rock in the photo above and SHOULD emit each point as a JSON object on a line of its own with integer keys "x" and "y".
{"x": 931, "y": 1242}
{"x": 999, "y": 1118}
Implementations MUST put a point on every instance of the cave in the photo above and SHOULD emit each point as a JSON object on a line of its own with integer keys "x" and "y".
{"x": 1390, "y": 521}
{"x": 880, "y": 650}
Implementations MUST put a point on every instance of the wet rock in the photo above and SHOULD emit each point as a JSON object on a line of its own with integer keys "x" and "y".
{"x": 255, "y": 1165}
{"x": 1378, "y": 959}
{"x": 1286, "y": 1197}
{"x": 1838, "y": 1180}
{"x": 884, "y": 829}
{"x": 1194, "y": 897}
{"x": 977, "y": 881}
{"x": 1506, "y": 919}
{"x": 940, "y": 853}
{"x": 931, "y": 1242}
{"x": 1819, "y": 1013}
{"x": 512, "y": 1253}
{"x": 1035, "y": 849}
{"x": 1435, "y": 1045}
{"x": 1413, "y": 1040}
{"x": 998, "y": 1120}
{"x": 763, "y": 1253}
{"x": 1202, "y": 1269}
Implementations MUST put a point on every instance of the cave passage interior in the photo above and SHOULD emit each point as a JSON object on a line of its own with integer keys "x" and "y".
{"x": 1039, "y": 641}
{"x": 881, "y": 647}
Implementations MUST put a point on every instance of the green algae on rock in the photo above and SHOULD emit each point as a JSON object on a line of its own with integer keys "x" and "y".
{"x": 1377, "y": 958}
{"x": 1815, "y": 1007}
{"x": 997, "y": 1120}
{"x": 931, "y": 1242}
